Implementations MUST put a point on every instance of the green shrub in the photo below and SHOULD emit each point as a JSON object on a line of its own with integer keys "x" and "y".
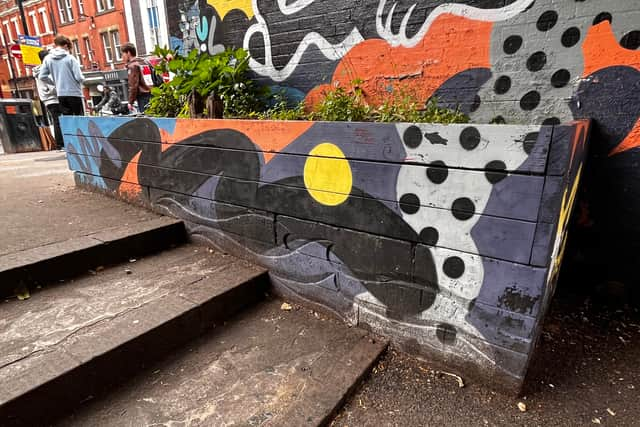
{"x": 342, "y": 106}
{"x": 281, "y": 109}
{"x": 165, "y": 102}
{"x": 198, "y": 76}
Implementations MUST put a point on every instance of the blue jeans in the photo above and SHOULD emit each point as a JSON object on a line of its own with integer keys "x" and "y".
{"x": 143, "y": 101}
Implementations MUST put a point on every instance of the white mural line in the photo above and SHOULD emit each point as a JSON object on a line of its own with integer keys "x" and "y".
{"x": 401, "y": 39}
{"x": 332, "y": 52}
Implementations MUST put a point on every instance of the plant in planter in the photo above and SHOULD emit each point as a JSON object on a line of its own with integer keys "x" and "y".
{"x": 207, "y": 85}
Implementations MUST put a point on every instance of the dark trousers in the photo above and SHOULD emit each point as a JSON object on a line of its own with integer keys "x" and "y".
{"x": 143, "y": 101}
{"x": 54, "y": 113}
{"x": 71, "y": 105}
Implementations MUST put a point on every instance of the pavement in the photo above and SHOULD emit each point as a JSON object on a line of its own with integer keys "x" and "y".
{"x": 584, "y": 373}
{"x": 40, "y": 204}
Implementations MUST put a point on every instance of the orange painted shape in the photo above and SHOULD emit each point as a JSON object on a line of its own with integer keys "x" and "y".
{"x": 631, "y": 141}
{"x": 130, "y": 186}
{"x": 269, "y": 136}
{"x": 601, "y": 49}
{"x": 453, "y": 44}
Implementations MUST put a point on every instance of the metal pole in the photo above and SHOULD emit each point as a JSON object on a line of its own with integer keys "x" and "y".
{"x": 25, "y": 27}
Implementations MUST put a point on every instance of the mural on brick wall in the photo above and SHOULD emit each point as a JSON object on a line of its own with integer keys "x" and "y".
{"x": 446, "y": 237}
{"x": 506, "y": 61}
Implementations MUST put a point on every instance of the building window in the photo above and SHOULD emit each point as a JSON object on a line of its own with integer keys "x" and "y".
{"x": 65, "y": 11}
{"x": 81, "y": 8}
{"x": 76, "y": 50}
{"x": 69, "y": 10}
{"x": 35, "y": 23}
{"x": 45, "y": 19}
{"x": 115, "y": 36}
{"x": 87, "y": 46}
{"x": 7, "y": 27}
{"x": 106, "y": 42}
{"x": 15, "y": 25}
{"x": 104, "y": 5}
{"x": 111, "y": 43}
{"x": 152, "y": 10}
{"x": 9, "y": 67}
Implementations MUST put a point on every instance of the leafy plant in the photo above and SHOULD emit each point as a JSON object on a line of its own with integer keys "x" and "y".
{"x": 398, "y": 109}
{"x": 165, "y": 102}
{"x": 281, "y": 109}
{"x": 222, "y": 78}
{"x": 341, "y": 105}
{"x": 434, "y": 114}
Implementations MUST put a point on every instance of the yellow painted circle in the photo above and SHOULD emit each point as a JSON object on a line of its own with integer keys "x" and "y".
{"x": 327, "y": 175}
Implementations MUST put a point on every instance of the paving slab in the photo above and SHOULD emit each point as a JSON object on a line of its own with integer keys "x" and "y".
{"x": 66, "y": 342}
{"x": 267, "y": 366}
{"x": 40, "y": 205}
{"x": 61, "y": 260}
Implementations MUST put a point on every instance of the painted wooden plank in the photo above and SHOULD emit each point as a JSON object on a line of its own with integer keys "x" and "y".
{"x": 517, "y": 196}
{"x": 521, "y": 148}
{"x": 501, "y": 238}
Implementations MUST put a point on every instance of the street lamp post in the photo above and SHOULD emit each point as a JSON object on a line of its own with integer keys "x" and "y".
{"x": 25, "y": 27}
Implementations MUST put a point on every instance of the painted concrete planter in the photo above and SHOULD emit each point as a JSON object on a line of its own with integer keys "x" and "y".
{"x": 447, "y": 239}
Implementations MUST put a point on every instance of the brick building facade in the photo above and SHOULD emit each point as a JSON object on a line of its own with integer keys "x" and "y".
{"x": 97, "y": 29}
{"x": 16, "y": 78}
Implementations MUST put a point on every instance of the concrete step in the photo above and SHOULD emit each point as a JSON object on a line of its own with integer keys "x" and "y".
{"x": 68, "y": 258}
{"x": 266, "y": 366}
{"x": 69, "y": 342}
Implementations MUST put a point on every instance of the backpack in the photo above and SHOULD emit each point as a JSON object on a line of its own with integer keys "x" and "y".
{"x": 155, "y": 77}
{"x": 150, "y": 75}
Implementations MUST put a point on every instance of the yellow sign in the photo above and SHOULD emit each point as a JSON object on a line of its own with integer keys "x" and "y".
{"x": 30, "y": 55}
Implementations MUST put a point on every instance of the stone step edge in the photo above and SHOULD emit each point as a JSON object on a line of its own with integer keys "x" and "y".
{"x": 57, "y": 390}
{"x": 69, "y": 258}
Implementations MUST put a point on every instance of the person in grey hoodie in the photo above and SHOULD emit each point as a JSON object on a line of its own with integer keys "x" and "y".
{"x": 48, "y": 96}
{"x": 63, "y": 70}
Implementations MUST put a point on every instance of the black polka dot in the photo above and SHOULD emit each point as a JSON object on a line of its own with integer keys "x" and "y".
{"x": 453, "y": 267}
{"x": 412, "y": 137}
{"x": 439, "y": 173}
{"x": 410, "y": 203}
{"x": 469, "y": 138}
{"x": 429, "y": 236}
{"x": 530, "y": 101}
{"x": 604, "y": 16}
{"x": 476, "y": 104}
{"x": 551, "y": 121}
{"x": 571, "y": 37}
{"x": 560, "y": 78}
{"x": 463, "y": 208}
{"x": 512, "y": 44}
{"x": 547, "y": 20}
{"x": 502, "y": 85}
{"x": 498, "y": 120}
{"x": 495, "y": 171}
{"x": 529, "y": 142}
{"x": 537, "y": 61}
{"x": 446, "y": 333}
{"x": 631, "y": 40}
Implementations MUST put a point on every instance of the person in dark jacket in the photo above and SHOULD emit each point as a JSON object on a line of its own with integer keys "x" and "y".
{"x": 111, "y": 99}
{"x": 139, "y": 90}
